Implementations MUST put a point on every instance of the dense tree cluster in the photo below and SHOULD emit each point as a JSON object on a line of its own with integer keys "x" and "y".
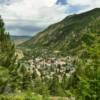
{"x": 83, "y": 84}
{"x": 7, "y": 48}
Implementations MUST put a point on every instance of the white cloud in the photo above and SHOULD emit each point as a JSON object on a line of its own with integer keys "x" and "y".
{"x": 39, "y": 13}
{"x": 25, "y": 8}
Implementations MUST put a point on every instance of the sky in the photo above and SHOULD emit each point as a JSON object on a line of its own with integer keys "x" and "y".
{"x": 28, "y": 17}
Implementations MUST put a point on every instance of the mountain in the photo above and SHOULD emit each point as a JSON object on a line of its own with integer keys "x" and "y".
{"x": 19, "y": 39}
{"x": 69, "y": 34}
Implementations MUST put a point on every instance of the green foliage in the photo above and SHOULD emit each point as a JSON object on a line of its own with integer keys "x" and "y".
{"x": 7, "y": 48}
{"x": 22, "y": 96}
{"x": 4, "y": 76}
{"x": 66, "y": 36}
{"x": 86, "y": 78}
{"x": 7, "y": 58}
{"x": 83, "y": 42}
{"x": 41, "y": 88}
{"x": 80, "y": 38}
{"x": 56, "y": 88}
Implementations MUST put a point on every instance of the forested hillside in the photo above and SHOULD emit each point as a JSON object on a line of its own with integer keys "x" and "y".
{"x": 67, "y": 35}
{"x": 62, "y": 62}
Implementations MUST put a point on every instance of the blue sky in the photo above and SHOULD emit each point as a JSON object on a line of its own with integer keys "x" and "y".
{"x": 28, "y": 17}
{"x": 62, "y": 2}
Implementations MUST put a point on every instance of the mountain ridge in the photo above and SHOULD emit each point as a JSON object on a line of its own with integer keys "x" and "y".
{"x": 62, "y": 36}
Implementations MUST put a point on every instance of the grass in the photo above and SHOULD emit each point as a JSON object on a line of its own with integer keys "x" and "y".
{"x": 21, "y": 96}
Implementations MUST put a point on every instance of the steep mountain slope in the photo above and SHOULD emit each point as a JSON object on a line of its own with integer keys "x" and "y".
{"x": 67, "y": 35}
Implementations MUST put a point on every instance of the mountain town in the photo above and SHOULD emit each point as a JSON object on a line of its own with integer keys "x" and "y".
{"x": 60, "y": 63}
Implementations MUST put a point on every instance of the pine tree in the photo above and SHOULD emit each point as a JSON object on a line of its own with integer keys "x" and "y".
{"x": 86, "y": 79}
{"x": 55, "y": 87}
{"x": 7, "y": 48}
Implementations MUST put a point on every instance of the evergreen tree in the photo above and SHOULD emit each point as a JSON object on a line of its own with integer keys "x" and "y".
{"x": 55, "y": 87}
{"x": 7, "y": 58}
{"x": 86, "y": 80}
{"x": 7, "y": 48}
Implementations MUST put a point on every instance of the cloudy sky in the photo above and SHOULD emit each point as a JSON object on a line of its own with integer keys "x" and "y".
{"x": 28, "y": 17}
